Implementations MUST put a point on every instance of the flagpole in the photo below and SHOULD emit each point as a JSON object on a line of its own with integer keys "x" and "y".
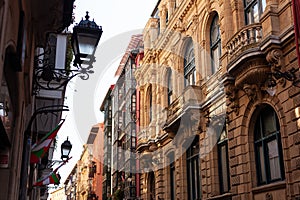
{"x": 53, "y": 172}
{"x": 62, "y": 164}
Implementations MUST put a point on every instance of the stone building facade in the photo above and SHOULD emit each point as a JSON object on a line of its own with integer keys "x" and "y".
{"x": 219, "y": 104}
{"x": 24, "y": 26}
{"x": 124, "y": 140}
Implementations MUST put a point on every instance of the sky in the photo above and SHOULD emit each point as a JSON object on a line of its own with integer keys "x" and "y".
{"x": 119, "y": 20}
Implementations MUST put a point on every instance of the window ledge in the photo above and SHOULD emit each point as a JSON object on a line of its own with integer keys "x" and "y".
{"x": 268, "y": 187}
{"x": 221, "y": 196}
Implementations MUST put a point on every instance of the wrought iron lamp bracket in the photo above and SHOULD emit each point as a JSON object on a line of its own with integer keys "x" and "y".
{"x": 291, "y": 75}
{"x": 50, "y": 78}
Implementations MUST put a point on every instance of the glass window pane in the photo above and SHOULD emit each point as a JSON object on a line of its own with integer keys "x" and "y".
{"x": 255, "y": 13}
{"x": 263, "y": 5}
{"x": 249, "y": 17}
{"x": 194, "y": 183}
{"x": 224, "y": 168}
{"x": 274, "y": 160}
{"x": 262, "y": 169}
{"x": 269, "y": 122}
{"x": 215, "y": 58}
{"x": 189, "y": 64}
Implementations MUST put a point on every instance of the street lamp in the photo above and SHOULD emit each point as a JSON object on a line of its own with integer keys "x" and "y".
{"x": 84, "y": 41}
{"x": 66, "y": 147}
{"x": 85, "y": 38}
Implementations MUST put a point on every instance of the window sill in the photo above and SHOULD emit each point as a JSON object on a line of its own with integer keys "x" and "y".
{"x": 268, "y": 187}
{"x": 221, "y": 196}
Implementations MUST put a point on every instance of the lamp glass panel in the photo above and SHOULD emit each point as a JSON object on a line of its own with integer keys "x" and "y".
{"x": 65, "y": 152}
{"x": 87, "y": 43}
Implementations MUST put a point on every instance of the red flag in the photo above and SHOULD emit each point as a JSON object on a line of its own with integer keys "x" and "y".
{"x": 39, "y": 150}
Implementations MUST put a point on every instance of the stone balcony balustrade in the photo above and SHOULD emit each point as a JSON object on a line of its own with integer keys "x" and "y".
{"x": 246, "y": 38}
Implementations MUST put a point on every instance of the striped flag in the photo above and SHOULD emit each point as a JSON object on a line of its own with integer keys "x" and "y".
{"x": 39, "y": 150}
{"x": 52, "y": 178}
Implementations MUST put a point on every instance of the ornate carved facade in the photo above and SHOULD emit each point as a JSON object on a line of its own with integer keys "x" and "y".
{"x": 217, "y": 120}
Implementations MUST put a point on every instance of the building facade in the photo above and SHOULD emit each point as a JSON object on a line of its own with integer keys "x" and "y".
{"x": 58, "y": 194}
{"x": 106, "y": 108}
{"x": 218, "y": 119}
{"x": 124, "y": 140}
{"x": 89, "y": 168}
{"x": 70, "y": 184}
{"x": 24, "y": 26}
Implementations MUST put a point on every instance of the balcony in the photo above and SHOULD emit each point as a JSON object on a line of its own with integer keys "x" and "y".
{"x": 246, "y": 39}
{"x": 190, "y": 99}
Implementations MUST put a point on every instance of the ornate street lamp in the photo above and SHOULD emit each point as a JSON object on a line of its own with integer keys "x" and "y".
{"x": 85, "y": 38}
{"x": 66, "y": 147}
{"x": 84, "y": 41}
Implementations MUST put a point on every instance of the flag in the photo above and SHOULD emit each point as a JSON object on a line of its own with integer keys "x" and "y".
{"x": 39, "y": 150}
{"x": 52, "y": 178}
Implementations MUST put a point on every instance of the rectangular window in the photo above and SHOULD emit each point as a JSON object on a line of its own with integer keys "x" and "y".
{"x": 224, "y": 169}
{"x": 172, "y": 181}
{"x": 224, "y": 175}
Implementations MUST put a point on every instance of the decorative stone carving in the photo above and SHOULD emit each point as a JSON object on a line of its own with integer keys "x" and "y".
{"x": 274, "y": 58}
{"x": 231, "y": 95}
{"x": 180, "y": 26}
{"x": 252, "y": 91}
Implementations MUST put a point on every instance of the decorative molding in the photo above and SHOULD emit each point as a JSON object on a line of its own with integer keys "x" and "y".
{"x": 186, "y": 10}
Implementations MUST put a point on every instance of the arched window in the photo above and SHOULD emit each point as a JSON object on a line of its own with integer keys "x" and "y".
{"x": 215, "y": 44}
{"x": 189, "y": 65}
{"x": 253, "y": 10}
{"x": 169, "y": 85}
{"x": 268, "y": 150}
{"x": 193, "y": 171}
